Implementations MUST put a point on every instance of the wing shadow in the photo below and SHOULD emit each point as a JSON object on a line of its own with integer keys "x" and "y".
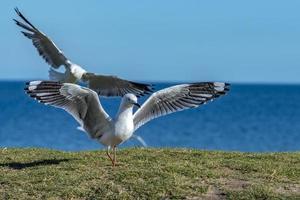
{"x": 19, "y": 165}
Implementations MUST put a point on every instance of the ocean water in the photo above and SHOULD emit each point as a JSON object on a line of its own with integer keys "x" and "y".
{"x": 251, "y": 118}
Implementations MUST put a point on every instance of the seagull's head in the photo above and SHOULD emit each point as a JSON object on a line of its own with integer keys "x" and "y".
{"x": 130, "y": 100}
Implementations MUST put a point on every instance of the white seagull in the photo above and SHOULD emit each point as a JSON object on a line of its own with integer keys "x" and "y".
{"x": 103, "y": 85}
{"x": 84, "y": 105}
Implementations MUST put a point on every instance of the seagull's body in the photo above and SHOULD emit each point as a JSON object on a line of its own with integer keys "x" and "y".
{"x": 84, "y": 105}
{"x": 102, "y": 84}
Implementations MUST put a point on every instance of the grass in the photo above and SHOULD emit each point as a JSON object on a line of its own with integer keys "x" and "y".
{"x": 148, "y": 174}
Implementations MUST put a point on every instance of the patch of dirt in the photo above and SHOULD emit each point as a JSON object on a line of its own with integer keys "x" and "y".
{"x": 239, "y": 185}
{"x": 213, "y": 193}
{"x": 236, "y": 184}
{"x": 287, "y": 188}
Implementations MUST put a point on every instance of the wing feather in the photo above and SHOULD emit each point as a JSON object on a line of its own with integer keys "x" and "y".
{"x": 178, "y": 98}
{"x": 82, "y": 103}
{"x": 44, "y": 45}
{"x": 114, "y": 86}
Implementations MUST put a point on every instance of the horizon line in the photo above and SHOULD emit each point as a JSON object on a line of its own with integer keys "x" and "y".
{"x": 179, "y": 81}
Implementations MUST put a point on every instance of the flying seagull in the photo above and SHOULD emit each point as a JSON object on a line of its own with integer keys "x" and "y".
{"x": 102, "y": 84}
{"x": 84, "y": 105}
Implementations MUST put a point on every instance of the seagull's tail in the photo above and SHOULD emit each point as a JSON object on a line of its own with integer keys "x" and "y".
{"x": 140, "y": 139}
{"x": 56, "y": 76}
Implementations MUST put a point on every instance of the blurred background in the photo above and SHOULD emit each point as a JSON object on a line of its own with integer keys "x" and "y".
{"x": 254, "y": 45}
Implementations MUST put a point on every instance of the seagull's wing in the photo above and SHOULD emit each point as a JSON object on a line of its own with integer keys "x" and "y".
{"x": 177, "y": 98}
{"x": 46, "y": 48}
{"x": 114, "y": 86}
{"x": 82, "y": 103}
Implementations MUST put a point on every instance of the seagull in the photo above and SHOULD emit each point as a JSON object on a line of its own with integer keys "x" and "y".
{"x": 102, "y": 84}
{"x": 84, "y": 105}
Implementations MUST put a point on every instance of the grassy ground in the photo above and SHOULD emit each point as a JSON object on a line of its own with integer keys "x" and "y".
{"x": 148, "y": 174}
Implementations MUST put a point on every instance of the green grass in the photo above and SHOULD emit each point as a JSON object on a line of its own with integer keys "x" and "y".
{"x": 148, "y": 174}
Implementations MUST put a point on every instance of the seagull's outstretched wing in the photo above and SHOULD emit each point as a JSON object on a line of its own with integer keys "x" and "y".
{"x": 114, "y": 86}
{"x": 46, "y": 48}
{"x": 82, "y": 103}
{"x": 177, "y": 98}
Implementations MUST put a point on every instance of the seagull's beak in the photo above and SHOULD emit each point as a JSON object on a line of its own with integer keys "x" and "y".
{"x": 136, "y": 104}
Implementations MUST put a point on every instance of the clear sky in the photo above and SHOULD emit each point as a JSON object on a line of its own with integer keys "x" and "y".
{"x": 169, "y": 40}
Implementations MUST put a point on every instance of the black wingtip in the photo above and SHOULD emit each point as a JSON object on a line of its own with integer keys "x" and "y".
{"x": 23, "y": 17}
{"x": 227, "y": 87}
{"x": 24, "y": 33}
{"x": 144, "y": 88}
{"x": 17, "y": 22}
{"x": 16, "y": 10}
{"x": 149, "y": 88}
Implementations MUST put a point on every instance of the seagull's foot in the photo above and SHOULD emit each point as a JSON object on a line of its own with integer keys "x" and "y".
{"x": 114, "y": 163}
{"x": 117, "y": 164}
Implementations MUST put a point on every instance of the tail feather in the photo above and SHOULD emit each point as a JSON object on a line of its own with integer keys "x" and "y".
{"x": 140, "y": 140}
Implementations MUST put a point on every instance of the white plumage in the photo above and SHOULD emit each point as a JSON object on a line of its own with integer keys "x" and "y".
{"x": 84, "y": 105}
{"x": 104, "y": 85}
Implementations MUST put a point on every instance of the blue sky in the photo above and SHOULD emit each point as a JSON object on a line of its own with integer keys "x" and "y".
{"x": 237, "y": 41}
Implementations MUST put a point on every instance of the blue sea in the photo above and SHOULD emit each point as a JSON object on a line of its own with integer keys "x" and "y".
{"x": 251, "y": 118}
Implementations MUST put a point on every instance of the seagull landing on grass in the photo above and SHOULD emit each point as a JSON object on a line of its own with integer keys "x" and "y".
{"x": 84, "y": 105}
{"x": 103, "y": 85}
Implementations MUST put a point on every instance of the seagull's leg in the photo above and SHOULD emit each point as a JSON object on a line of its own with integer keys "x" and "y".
{"x": 115, "y": 155}
{"x": 108, "y": 154}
